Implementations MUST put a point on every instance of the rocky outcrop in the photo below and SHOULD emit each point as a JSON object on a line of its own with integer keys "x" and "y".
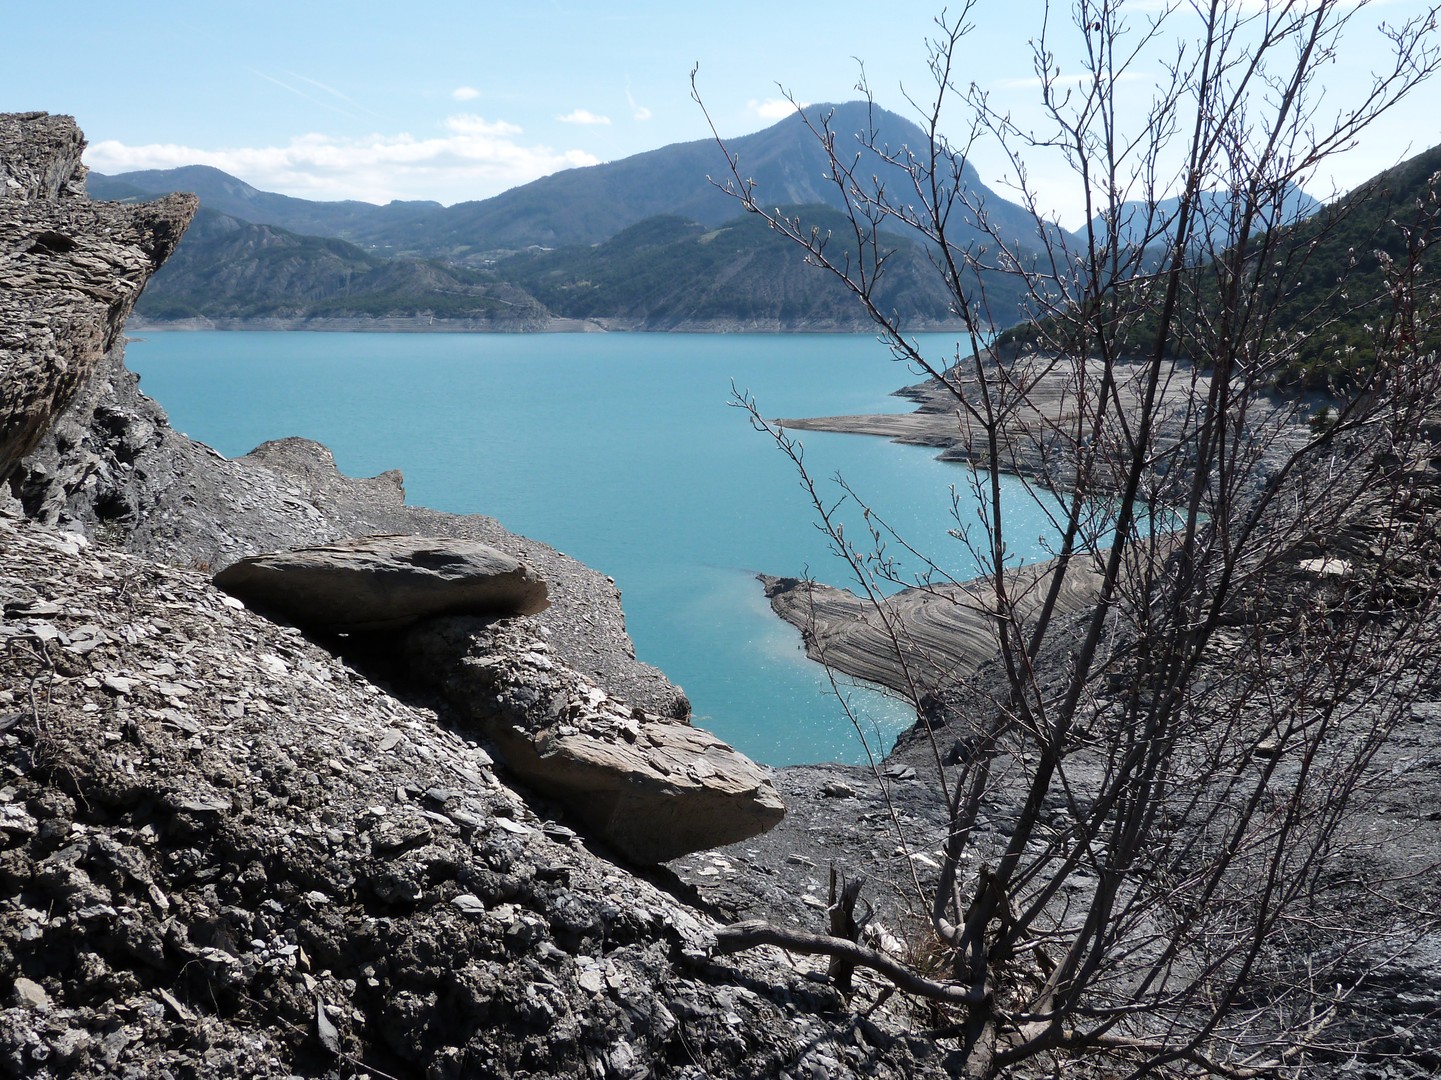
{"x": 40, "y": 157}
{"x": 374, "y": 583}
{"x": 651, "y": 787}
{"x": 70, "y": 272}
{"x": 225, "y": 851}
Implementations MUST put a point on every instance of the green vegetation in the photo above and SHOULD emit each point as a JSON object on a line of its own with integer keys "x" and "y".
{"x": 229, "y": 269}
{"x": 1331, "y": 288}
{"x": 1338, "y": 293}
{"x": 667, "y": 271}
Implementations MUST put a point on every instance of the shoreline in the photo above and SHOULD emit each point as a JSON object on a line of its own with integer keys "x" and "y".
{"x": 424, "y": 324}
{"x": 922, "y": 639}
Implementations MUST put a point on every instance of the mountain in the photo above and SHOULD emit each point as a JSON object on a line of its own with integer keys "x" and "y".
{"x": 1140, "y": 225}
{"x": 670, "y": 273}
{"x": 1363, "y": 238}
{"x": 359, "y": 222}
{"x": 579, "y": 206}
{"x": 1327, "y": 288}
{"x": 227, "y": 269}
{"x": 786, "y": 161}
{"x": 646, "y": 242}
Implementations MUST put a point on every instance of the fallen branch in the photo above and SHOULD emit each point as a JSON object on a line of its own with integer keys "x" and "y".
{"x": 747, "y": 935}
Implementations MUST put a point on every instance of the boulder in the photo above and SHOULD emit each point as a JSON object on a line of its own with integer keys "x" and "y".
{"x": 384, "y": 582}
{"x": 652, "y": 787}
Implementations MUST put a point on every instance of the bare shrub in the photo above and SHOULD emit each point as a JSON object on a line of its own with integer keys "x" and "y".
{"x": 1187, "y": 751}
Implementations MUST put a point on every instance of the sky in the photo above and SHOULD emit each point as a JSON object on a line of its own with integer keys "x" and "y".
{"x": 454, "y": 100}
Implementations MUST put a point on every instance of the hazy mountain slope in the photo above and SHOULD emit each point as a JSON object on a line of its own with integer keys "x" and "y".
{"x": 667, "y": 272}
{"x": 1329, "y": 282}
{"x": 588, "y": 205}
{"x": 359, "y": 222}
{"x": 256, "y": 254}
{"x": 231, "y": 269}
{"x": 1138, "y": 224}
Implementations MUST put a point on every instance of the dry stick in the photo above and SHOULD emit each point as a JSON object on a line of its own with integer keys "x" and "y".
{"x": 747, "y": 935}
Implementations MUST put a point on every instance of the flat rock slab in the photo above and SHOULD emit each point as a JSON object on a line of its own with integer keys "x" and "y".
{"x": 385, "y": 582}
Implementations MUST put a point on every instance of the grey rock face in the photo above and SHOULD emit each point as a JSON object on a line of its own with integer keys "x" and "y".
{"x": 70, "y": 272}
{"x": 40, "y": 157}
{"x": 228, "y": 853}
{"x": 652, "y": 787}
{"x": 384, "y": 582}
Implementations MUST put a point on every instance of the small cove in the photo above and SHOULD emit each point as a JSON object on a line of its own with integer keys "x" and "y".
{"x": 622, "y": 451}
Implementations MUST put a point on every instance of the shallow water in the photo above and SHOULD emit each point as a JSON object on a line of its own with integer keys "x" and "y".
{"x": 623, "y": 451}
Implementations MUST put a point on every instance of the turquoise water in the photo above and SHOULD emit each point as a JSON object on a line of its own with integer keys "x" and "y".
{"x": 620, "y": 450}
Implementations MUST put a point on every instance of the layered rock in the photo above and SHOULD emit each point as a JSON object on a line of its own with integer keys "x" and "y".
{"x": 920, "y": 639}
{"x": 650, "y": 786}
{"x": 225, "y": 851}
{"x": 373, "y": 583}
{"x": 70, "y": 272}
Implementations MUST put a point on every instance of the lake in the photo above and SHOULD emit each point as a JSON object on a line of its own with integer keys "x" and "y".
{"x": 622, "y": 450}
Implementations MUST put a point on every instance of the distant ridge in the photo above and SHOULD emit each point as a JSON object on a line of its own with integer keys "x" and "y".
{"x": 645, "y": 243}
{"x": 1139, "y": 225}
{"x": 361, "y": 223}
{"x": 229, "y": 270}
{"x": 577, "y": 206}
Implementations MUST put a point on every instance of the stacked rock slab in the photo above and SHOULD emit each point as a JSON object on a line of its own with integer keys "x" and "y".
{"x": 70, "y": 272}
{"x": 651, "y": 786}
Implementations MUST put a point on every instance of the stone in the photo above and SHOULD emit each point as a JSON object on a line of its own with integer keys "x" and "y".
{"x": 30, "y": 994}
{"x": 652, "y": 787}
{"x": 384, "y": 582}
{"x": 328, "y": 1033}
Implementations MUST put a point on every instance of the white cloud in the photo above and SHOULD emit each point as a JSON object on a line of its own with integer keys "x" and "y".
{"x": 474, "y": 159}
{"x": 774, "y": 108}
{"x": 470, "y": 124}
{"x": 583, "y": 116}
{"x": 465, "y": 93}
